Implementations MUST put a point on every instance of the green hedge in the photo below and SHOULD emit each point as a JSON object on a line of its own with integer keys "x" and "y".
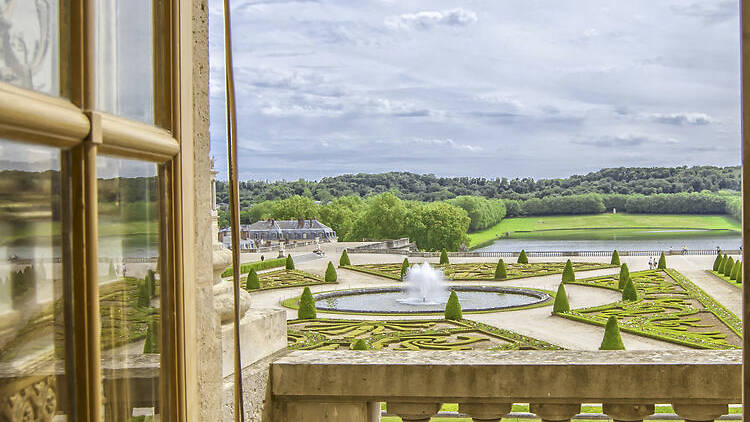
{"x": 257, "y": 266}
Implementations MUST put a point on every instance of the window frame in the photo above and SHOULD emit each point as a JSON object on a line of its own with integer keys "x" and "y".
{"x": 71, "y": 123}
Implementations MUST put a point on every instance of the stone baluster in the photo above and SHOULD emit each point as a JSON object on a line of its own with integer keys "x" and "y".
{"x": 628, "y": 412}
{"x": 485, "y": 412}
{"x": 414, "y": 412}
{"x": 700, "y": 412}
{"x": 554, "y": 412}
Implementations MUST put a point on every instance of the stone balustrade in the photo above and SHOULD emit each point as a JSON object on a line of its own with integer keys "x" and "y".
{"x": 338, "y": 386}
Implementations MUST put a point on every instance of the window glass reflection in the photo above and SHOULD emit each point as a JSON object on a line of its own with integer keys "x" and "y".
{"x": 129, "y": 287}
{"x": 124, "y": 58}
{"x": 29, "y": 44}
{"x": 32, "y": 329}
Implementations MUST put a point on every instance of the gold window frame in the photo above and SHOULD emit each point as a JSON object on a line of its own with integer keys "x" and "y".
{"x": 72, "y": 124}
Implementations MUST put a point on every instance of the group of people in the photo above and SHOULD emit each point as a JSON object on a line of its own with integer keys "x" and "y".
{"x": 653, "y": 263}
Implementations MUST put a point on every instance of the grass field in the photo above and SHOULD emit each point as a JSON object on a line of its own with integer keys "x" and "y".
{"x": 607, "y": 226}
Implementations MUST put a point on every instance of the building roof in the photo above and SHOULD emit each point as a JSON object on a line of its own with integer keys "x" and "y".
{"x": 281, "y": 225}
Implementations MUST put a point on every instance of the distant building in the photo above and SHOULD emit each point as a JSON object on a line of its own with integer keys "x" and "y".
{"x": 271, "y": 231}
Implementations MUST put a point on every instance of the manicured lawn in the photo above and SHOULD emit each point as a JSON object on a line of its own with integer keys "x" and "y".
{"x": 286, "y": 278}
{"x": 605, "y": 226}
{"x": 727, "y": 279}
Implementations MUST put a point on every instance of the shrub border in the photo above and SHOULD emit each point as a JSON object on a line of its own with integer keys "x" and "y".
{"x": 257, "y": 265}
{"x": 306, "y": 274}
{"x": 726, "y": 279}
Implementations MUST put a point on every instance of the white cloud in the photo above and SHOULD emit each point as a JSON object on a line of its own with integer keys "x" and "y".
{"x": 626, "y": 140}
{"x": 681, "y": 118}
{"x": 428, "y": 19}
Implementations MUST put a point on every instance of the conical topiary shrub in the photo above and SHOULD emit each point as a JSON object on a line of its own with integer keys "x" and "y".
{"x": 728, "y": 266}
{"x": 568, "y": 274}
{"x": 522, "y": 258}
{"x": 453, "y": 308}
{"x": 152, "y": 338}
{"x": 615, "y": 258}
{"x": 724, "y": 260}
{"x": 500, "y": 271}
{"x": 306, "y": 305}
{"x": 735, "y": 269}
{"x": 662, "y": 262}
{"x": 360, "y": 344}
{"x": 404, "y": 268}
{"x": 151, "y": 282}
{"x": 289, "y": 262}
{"x": 717, "y": 262}
{"x": 624, "y": 276}
{"x": 612, "y": 339}
{"x": 739, "y": 276}
{"x": 444, "y": 257}
{"x": 331, "y": 275}
{"x": 144, "y": 299}
{"x": 561, "y": 300}
{"x": 253, "y": 281}
{"x": 629, "y": 293}
{"x": 344, "y": 261}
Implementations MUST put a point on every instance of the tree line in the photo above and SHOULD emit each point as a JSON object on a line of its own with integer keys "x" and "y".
{"x": 430, "y": 188}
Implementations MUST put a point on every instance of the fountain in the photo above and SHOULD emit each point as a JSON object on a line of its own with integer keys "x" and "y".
{"x": 425, "y": 292}
{"x": 425, "y": 285}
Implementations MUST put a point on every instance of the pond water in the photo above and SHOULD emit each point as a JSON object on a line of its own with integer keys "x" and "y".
{"x": 391, "y": 300}
{"x": 659, "y": 244}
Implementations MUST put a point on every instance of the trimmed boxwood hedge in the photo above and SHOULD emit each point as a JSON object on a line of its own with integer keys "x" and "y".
{"x": 257, "y": 266}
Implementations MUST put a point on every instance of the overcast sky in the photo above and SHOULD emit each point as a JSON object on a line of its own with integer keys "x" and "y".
{"x": 511, "y": 88}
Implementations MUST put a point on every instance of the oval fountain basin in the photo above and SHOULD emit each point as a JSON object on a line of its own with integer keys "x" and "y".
{"x": 394, "y": 300}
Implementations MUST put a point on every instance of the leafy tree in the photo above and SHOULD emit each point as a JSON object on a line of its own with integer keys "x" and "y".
{"x": 342, "y": 214}
{"x": 522, "y": 258}
{"x": 306, "y": 305}
{"x": 500, "y": 271}
{"x": 612, "y": 339}
{"x": 484, "y": 213}
{"x": 728, "y": 266}
{"x": 331, "y": 275}
{"x": 615, "y": 258}
{"x": 453, "y": 308}
{"x": 253, "y": 281}
{"x": 404, "y": 268}
{"x": 383, "y": 218}
{"x": 359, "y": 344}
{"x": 295, "y": 207}
{"x": 629, "y": 293}
{"x": 561, "y": 300}
{"x": 717, "y": 262}
{"x": 735, "y": 270}
{"x": 444, "y": 257}
{"x": 568, "y": 274}
{"x": 624, "y": 276}
{"x": 289, "y": 262}
{"x": 662, "y": 262}
{"x": 152, "y": 344}
{"x": 344, "y": 261}
{"x": 436, "y": 225}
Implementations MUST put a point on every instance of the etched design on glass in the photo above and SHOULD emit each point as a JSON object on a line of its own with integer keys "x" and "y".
{"x": 28, "y": 44}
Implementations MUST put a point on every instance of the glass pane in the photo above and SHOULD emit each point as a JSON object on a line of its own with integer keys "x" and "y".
{"x": 124, "y": 59}
{"x": 129, "y": 287}
{"x": 29, "y": 44}
{"x": 32, "y": 329}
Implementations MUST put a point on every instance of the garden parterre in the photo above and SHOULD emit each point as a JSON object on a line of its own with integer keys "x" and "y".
{"x": 481, "y": 271}
{"x": 409, "y": 335}
{"x": 669, "y": 307}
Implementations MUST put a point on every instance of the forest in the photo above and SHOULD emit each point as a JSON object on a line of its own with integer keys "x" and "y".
{"x": 429, "y": 188}
{"x": 439, "y": 212}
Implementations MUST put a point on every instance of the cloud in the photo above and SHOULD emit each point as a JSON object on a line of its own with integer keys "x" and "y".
{"x": 628, "y": 140}
{"x": 709, "y": 12}
{"x": 444, "y": 143}
{"x": 429, "y": 19}
{"x": 681, "y": 119}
